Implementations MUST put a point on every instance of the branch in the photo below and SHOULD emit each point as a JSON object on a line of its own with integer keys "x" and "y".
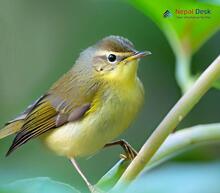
{"x": 175, "y": 144}
{"x": 185, "y": 139}
{"x": 169, "y": 123}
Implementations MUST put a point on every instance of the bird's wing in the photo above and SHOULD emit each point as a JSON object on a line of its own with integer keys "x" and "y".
{"x": 15, "y": 125}
{"x": 23, "y": 115}
{"x": 54, "y": 110}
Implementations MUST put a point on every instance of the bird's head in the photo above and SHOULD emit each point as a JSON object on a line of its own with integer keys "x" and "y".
{"x": 114, "y": 58}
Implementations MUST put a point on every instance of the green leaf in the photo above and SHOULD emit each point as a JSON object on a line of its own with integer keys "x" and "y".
{"x": 113, "y": 175}
{"x": 179, "y": 178}
{"x": 217, "y": 84}
{"x": 185, "y": 33}
{"x": 37, "y": 185}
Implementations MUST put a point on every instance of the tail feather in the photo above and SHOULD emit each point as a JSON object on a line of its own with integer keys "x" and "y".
{"x": 11, "y": 128}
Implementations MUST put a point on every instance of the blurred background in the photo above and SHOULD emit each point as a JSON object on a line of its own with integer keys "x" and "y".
{"x": 40, "y": 40}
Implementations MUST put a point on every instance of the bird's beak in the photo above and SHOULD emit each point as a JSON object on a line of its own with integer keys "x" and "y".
{"x": 138, "y": 55}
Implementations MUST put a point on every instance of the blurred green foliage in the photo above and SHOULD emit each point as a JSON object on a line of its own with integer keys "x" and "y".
{"x": 185, "y": 32}
{"x": 217, "y": 84}
{"x": 40, "y": 40}
{"x": 36, "y": 185}
{"x": 179, "y": 178}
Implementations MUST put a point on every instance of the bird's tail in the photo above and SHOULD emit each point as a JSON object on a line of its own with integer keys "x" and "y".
{"x": 11, "y": 128}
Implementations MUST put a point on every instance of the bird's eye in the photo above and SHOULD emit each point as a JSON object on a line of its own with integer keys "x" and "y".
{"x": 112, "y": 58}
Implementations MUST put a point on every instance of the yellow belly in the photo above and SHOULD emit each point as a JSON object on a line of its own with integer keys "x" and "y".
{"x": 90, "y": 134}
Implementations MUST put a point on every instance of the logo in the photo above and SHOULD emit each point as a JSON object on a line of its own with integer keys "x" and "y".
{"x": 167, "y": 14}
{"x": 193, "y": 13}
{"x": 190, "y": 13}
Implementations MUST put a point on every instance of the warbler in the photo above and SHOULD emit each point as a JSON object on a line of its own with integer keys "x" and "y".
{"x": 89, "y": 106}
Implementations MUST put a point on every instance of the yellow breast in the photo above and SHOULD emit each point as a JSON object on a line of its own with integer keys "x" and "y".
{"x": 111, "y": 113}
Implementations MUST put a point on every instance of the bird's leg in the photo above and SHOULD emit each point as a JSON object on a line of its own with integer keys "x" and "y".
{"x": 130, "y": 152}
{"x": 90, "y": 186}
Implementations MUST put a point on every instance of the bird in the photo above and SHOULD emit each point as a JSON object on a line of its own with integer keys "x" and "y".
{"x": 88, "y": 107}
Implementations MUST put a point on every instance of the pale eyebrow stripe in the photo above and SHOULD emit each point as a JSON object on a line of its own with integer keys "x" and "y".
{"x": 104, "y": 52}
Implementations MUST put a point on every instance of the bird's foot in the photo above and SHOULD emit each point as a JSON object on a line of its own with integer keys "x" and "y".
{"x": 130, "y": 152}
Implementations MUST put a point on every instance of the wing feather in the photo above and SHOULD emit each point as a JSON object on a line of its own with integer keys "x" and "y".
{"x": 55, "y": 109}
